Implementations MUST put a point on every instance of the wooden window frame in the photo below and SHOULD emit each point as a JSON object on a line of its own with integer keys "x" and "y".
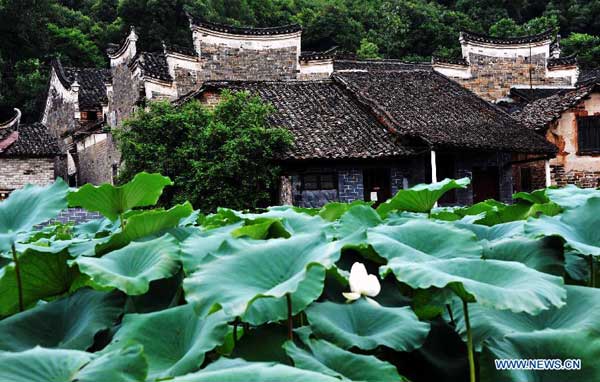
{"x": 319, "y": 181}
{"x": 584, "y": 148}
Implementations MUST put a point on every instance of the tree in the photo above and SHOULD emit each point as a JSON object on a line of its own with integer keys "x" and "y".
{"x": 586, "y": 47}
{"x": 224, "y": 157}
{"x": 368, "y": 49}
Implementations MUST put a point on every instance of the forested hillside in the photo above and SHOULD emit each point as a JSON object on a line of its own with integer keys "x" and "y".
{"x": 32, "y": 32}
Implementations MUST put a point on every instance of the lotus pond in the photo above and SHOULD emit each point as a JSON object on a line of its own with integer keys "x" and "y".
{"x": 403, "y": 292}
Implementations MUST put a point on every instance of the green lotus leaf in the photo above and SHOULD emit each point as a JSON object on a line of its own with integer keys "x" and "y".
{"x": 581, "y": 312}
{"x": 423, "y": 240}
{"x": 272, "y": 269}
{"x": 294, "y": 222}
{"x": 365, "y": 325}
{"x": 420, "y": 198}
{"x": 144, "y": 225}
{"x": 58, "y": 365}
{"x": 95, "y": 228}
{"x": 197, "y": 246}
{"x": 112, "y": 201}
{"x": 230, "y": 370}
{"x": 334, "y": 210}
{"x": 534, "y": 197}
{"x": 495, "y": 232}
{"x": 326, "y": 358}
{"x": 571, "y": 196}
{"x": 175, "y": 340}
{"x": 68, "y": 323}
{"x": 261, "y": 228}
{"x": 581, "y": 345}
{"x": 357, "y": 218}
{"x": 27, "y": 207}
{"x": 545, "y": 254}
{"x": 262, "y": 343}
{"x": 133, "y": 267}
{"x": 222, "y": 218}
{"x": 577, "y": 226}
{"x": 43, "y": 275}
{"x": 493, "y": 283}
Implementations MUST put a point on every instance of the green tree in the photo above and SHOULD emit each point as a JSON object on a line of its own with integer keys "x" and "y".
{"x": 585, "y": 46}
{"x": 368, "y": 49}
{"x": 221, "y": 157}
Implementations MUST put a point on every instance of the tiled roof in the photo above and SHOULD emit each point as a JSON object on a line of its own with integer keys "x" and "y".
{"x": 588, "y": 76}
{"x": 185, "y": 50}
{"x": 427, "y": 105}
{"x": 562, "y": 61}
{"x": 284, "y": 29}
{"x": 377, "y": 65}
{"x": 325, "y": 120}
{"x": 449, "y": 60}
{"x": 153, "y": 65}
{"x": 31, "y": 141}
{"x": 538, "y": 114}
{"x": 478, "y": 37}
{"x": 528, "y": 95}
{"x": 313, "y": 55}
{"x": 92, "y": 91}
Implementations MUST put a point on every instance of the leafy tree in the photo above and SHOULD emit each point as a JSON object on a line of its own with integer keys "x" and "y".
{"x": 217, "y": 157}
{"x": 585, "y": 46}
{"x": 75, "y": 47}
{"x": 367, "y": 49}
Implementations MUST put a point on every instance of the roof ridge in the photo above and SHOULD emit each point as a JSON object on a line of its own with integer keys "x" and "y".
{"x": 486, "y": 38}
{"x": 245, "y": 30}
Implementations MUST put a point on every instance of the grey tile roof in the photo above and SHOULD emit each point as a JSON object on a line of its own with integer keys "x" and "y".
{"x": 33, "y": 140}
{"x": 325, "y": 120}
{"x": 284, "y": 29}
{"x": 92, "y": 91}
{"x": 539, "y": 113}
{"x": 478, "y": 37}
{"x": 377, "y": 65}
{"x": 425, "y": 104}
{"x": 153, "y": 65}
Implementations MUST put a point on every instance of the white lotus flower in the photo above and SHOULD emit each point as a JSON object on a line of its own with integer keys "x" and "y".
{"x": 362, "y": 283}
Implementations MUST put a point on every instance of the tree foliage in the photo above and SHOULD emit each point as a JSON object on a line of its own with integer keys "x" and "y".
{"x": 78, "y": 31}
{"x": 217, "y": 157}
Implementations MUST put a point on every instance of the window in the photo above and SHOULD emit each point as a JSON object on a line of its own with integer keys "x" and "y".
{"x": 588, "y": 134}
{"x": 526, "y": 179}
{"x": 319, "y": 182}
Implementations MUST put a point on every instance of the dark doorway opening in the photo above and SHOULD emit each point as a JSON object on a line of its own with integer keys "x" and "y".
{"x": 376, "y": 182}
{"x": 445, "y": 169}
{"x": 486, "y": 184}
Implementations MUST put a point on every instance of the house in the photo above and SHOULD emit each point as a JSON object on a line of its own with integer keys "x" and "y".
{"x": 28, "y": 153}
{"x": 364, "y": 134}
{"x": 570, "y": 120}
{"x": 363, "y": 128}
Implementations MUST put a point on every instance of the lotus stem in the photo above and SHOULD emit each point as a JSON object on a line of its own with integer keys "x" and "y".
{"x": 470, "y": 353}
{"x": 121, "y": 221}
{"x": 592, "y": 271}
{"x": 450, "y": 314}
{"x": 290, "y": 322}
{"x": 18, "y": 277}
{"x": 235, "y": 333}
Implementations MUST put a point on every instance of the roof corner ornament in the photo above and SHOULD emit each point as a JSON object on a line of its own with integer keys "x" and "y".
{"x": 13, "y": 122}
{"x": 132, "y": 35}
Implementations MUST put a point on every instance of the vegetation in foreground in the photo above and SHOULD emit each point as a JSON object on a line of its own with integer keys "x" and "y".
{"x": 347, "y": 292}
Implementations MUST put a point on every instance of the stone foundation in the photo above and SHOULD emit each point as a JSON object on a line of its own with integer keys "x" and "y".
{"x": 583, "y": 179}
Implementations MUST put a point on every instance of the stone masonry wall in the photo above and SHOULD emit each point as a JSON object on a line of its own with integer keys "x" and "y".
{"x": 221, "y": 62}
{"x": 96, "y": 162}
{"x": 492, "y": 77}
{"x": 17, "y": 172}
{"x": 464, "y": 167}
{"x": 350, "y": 185}
{"x": 187, "y": 80}
{"x": 125, "y": 94}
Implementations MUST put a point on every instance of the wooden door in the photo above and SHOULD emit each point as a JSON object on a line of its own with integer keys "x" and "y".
{"x": 486, "y": 184}
{"x": 376, "y": 181}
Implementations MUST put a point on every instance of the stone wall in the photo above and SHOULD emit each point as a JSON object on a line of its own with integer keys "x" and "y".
{"x": 492, "y": 77}
{"x": 187, "y": 80}
{"x": 466, "y": 162}
{"x": 75, "y": 215}
{"x": 221, "y": 62}
{"x": 17, "y": 172}
{"x": 537, "y": 171}
{"x": 96, "y": 160}
{"x": 125, "y": 94}
{"x": 350, "y": 185}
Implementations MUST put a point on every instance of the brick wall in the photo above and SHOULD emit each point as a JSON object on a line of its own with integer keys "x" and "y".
{"x": 221, "y": 62}
{"x": 75, "y": 215}
{"x": 350, "y": 185}
{"x": 492, "y": 77}
{"x": 580, "y": 178}
{"x": 17, "y": 172}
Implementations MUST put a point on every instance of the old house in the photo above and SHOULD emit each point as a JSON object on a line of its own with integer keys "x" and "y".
{"x": 363, "y": 128}
{"x": 28, "y": 153}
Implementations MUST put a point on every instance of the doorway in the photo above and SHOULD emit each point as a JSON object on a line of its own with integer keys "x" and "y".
{"x": 486, "y": 183}
{"x": 376, "y": 182}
